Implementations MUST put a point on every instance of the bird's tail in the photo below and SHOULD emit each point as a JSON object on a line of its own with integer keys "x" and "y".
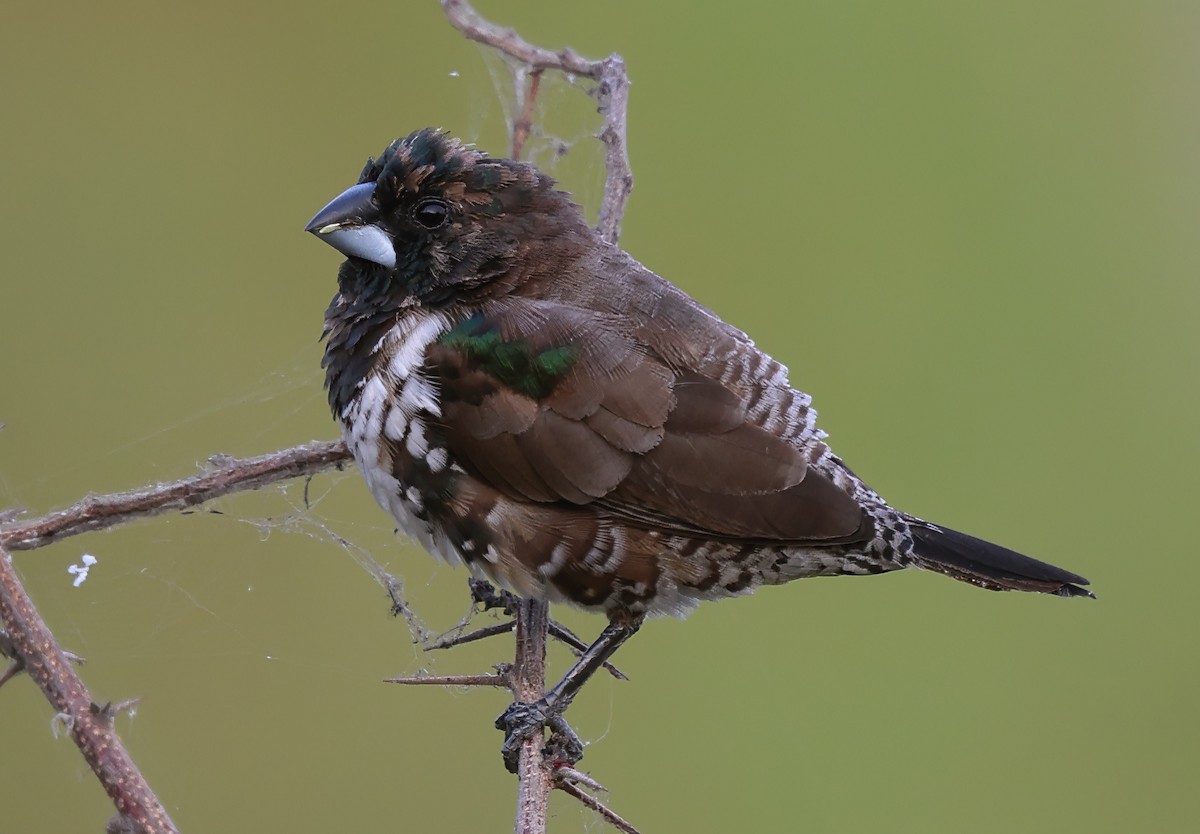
{"x": 988, "y": 565}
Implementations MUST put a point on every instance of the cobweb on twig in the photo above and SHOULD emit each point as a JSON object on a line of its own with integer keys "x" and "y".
{"x": 561, "y": 121}
{"x": 302, "y": 519}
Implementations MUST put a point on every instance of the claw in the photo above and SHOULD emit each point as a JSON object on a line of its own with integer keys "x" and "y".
{"x": 564, "y": 747}
{"x": 520, "y": 721}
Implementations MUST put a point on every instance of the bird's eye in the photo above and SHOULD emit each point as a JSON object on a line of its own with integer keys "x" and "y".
{"x": 431, "y": 213}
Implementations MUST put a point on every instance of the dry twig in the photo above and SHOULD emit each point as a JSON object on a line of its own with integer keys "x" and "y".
{"x": 451, "y": 680}
{"x": 225, "y": 475}
{"x": 89, "y": 724}
{"x": 611, "y": 93}
{"x": 569, "y": 787}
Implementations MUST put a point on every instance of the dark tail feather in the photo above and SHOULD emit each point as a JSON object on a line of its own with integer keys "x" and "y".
{"x": 988, "y": 565}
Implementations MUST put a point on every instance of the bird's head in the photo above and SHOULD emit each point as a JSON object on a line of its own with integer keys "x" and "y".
{"x": 433, "y": 220}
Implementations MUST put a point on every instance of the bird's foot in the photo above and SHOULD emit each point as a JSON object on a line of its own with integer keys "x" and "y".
{"x": 521, "y": 721}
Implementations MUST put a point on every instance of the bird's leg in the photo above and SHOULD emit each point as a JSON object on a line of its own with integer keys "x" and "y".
{"x": 591, "y": 661}
{"x": 520, "y": 721}
{"x": 486, "y": 595}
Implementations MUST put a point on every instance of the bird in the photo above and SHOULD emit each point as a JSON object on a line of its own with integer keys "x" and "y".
{"x": 528, "y": 400}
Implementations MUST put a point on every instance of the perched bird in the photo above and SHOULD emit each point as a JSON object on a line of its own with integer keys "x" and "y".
{"x": 531, "y": 401}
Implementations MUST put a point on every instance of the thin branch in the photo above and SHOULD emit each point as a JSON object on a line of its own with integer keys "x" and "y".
{"x": 89, "y": 724}
{"x": 615, "y": 819}
{"x": 611, "y": 93}
{"x": 557, "y": 631}
{"x": 450, "y": 640}
{"x": 490, "y": 597}
{"x": 564, "y": 635}
{"x": 500, "y": 679}
{"x": 225, "y": 475}
{"x": 524, "y": 124}
{"x": 390, "y": 582}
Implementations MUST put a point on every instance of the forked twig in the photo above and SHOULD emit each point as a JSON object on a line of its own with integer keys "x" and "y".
{"x": 611, "y": 93}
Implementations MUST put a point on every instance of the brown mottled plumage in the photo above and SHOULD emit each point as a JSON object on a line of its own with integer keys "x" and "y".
{"x": 531, "y": 401}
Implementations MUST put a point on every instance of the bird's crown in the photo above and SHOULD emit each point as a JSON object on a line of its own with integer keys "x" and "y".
{"x": 431, "y": 162}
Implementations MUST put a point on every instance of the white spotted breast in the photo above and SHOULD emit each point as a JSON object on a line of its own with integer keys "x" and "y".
{"x": 386, "y": 426}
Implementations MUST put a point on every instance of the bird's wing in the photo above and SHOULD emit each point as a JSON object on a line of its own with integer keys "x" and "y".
{"x": 548, "y": 405}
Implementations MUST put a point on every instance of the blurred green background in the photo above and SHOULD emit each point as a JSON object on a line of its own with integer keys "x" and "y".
{"x": 968, "y": 228}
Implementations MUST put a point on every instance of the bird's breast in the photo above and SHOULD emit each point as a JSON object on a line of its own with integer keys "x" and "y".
{"x": 389, "y": 425}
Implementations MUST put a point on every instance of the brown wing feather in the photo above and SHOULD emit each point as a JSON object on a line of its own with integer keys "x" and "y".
{"x": 504, "y": 465}
{"x": 670, "y": 449}
{"x": 575, "y": 461}
{"x": 813, "y": 511}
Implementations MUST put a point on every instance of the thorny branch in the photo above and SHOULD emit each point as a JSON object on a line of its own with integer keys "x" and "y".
{"x": 225, "y": 475}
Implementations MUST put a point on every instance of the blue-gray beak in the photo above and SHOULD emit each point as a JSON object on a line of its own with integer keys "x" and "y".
{"x": 348, "y": 225}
